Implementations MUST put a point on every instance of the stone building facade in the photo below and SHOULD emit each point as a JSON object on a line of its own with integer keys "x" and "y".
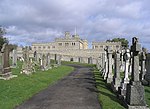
{"x": 73, "y": 48}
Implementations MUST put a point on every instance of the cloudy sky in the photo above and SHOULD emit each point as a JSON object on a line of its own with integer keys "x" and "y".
{"x": 30, "y": 21}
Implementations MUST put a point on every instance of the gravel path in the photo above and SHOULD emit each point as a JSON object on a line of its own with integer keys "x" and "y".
{"x": 76, "y": 91}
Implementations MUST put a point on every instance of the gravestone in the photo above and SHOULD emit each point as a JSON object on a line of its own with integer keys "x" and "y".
{"x": 59, "y": 60}
{"x": 27, "y": 67}
{"x": 35, "y": 56}
{"x": 116, "y": 78}
{"x": 48, "y": 61}
{"x": 135, "y": 98}
{"x": 43, "y": 62}
{"x": 147, "y": 75}
{"x": 122, "y": 89}
{"x": 109, "y": 78}
{"x": 122, "y": 66}
{"x": 5, "y": 73}
{"x": 143, "y": 68}
{"x": 14, "y": 58}
{"x": 106, "y": 64}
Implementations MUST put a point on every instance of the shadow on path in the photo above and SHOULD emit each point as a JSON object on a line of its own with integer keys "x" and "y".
{"x": 72, "y": 92}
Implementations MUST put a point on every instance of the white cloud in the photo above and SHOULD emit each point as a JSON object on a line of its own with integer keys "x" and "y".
{"x": 30, "y": 21}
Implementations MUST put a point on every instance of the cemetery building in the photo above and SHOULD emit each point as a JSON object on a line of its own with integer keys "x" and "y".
{"x": 72, "y": 48}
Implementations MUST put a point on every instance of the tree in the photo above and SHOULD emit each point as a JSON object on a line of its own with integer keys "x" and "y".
{"x": 123, "y": 41}
{"x": 5, "y": 40}
{"x": 2, "y": 38}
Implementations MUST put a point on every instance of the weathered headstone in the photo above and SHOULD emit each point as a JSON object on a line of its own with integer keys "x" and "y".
{"x": 122, "y": 89}
{"x": 147, "y": 75}
{"x": 27, "y": 67}
{"x": 35, "y": 55}
{"x": 106, "y": 64}
{"x": 14, "y": 58}
{"x": 43, "y": 62}
{"x": 59, "y": 60}
{"x": 116, "y": 78}
{"x": 109, "y": 78}
{"x": 135, "y": 91}
{"x": 143, "y": 69}
{"x": 122, "y": 66}
{"x": 48, "y": 61}
{"x": 5, "y": 66}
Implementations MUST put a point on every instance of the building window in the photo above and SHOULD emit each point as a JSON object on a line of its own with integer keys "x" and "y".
{"x": 43, "y": 47}
{"x": 117, "y": 46}
{"x": 73, "y": 43}
{"x": 60, "y": 44}
{"x": 96, "y": 47}
{"x": 49, "y": 47}
{"x": 39, "y": 47}
{"x": 53, "y": 46}
{"x": 66, "y": 44}
{"x": 101, "y": 46}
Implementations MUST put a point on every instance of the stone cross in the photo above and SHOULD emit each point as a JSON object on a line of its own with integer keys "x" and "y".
{"x": 135, "y": 95}
{"x": 5, "y": 59}
{"x": 127, "y": 63}
{"x": 5, "y": 66}
{"x": 136, "y": 48}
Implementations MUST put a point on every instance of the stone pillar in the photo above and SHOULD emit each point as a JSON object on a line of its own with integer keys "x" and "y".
{"x": 14, "y": 58}
{"x": 109, "y": 74}
{"x": 116, "y": 78}
{"x": 135, "y": 91}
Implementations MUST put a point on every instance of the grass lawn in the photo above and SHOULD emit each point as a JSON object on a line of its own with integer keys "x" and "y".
{"x": 13, "y": 92}
{"x": 107, "y": 98}
{"x": 147, "y": 95}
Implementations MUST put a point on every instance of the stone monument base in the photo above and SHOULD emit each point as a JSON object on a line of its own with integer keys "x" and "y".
{"x": 137, "y": 107}
{"x": 135, "y": 96}
{"x": 7, "y": 76}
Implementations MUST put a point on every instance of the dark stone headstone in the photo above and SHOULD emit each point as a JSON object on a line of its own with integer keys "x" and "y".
{"x": 135, "y": 90}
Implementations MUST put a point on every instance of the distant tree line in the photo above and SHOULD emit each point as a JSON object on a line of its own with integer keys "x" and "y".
{"x": 124, "y": 42}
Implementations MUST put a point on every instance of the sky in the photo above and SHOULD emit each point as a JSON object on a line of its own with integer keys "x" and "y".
{"x": 29, "y": 21}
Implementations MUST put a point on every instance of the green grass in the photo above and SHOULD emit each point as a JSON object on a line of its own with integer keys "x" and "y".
{"x": 13, "y": 92}
{"x": 107, "y": 98}
{"x": 147, "y": 95}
